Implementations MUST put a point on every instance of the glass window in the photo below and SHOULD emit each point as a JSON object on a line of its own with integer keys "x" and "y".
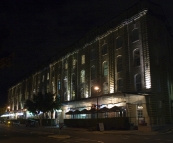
{"x": 43, "y": 79}
{"x": 66, "y": 65}
{"x": 119, "y": 63}
{"x": 105, "y": 68}
{"x": 136, "y": 58}
{"x": 93, "y": 72}
{"x": 138, "y": 82}
{"x": 135, "y": 35}
{"x": 140, "y": 113}
{"x": 119, "y": 42}
{"x": 83, "y": 59}
{"x": 82, "y": 76}
{"x": 104, "y": 49}
{"x": 120, "y": 84}
{"x": 59, "y": 84}
{"x": 47, "y": 76}
{"x": 74, "y": 63}
{"x": 47, "y": 90}
{"x": 93, "y": 55}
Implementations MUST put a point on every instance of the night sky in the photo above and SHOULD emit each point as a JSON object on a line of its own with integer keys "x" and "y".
{"x": 35, "y": 30}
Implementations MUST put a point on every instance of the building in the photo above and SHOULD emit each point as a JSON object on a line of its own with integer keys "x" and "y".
{"x": 129, "y": 59}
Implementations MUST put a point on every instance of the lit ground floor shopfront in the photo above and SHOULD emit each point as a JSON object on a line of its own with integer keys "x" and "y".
{"x": 125, "y": 105}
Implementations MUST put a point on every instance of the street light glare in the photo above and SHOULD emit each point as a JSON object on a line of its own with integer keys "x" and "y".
{"x": 96, "y": 88}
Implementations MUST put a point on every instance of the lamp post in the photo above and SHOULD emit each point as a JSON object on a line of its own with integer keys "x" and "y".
{"x": 96, "y": 88}
{"x": 8, "y": 111}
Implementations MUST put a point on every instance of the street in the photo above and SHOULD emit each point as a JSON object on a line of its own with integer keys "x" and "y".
{"x": 44, "y": 135}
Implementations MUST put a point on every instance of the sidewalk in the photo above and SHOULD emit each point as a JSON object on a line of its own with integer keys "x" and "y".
{"x": 117, "y": 132}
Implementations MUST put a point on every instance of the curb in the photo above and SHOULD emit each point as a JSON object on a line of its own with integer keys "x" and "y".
{"x": 59, "y": 136}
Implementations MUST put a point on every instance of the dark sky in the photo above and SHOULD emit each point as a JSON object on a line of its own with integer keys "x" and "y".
{"x": 35, "y": 30}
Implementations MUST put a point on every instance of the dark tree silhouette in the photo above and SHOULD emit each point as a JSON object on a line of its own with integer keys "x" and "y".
{"x": 42, "y": 103}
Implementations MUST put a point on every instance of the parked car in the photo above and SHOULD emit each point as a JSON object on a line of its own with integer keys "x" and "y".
{"x": 31, "y": 123}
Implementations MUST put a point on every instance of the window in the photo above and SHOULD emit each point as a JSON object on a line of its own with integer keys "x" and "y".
{"x": 59, "y": 84}
{"x": 47, "y": 88}
{"x": 66, "y": 65}
{"x": 105, "y": 88}
{"x": 47, "y": 76}
{"x": 104, "y": 49}
{"x": 135, "y": 35}
{"x": 74, "y": 63}
{"x": 43, "y": 79}
{"x": 65, "y": 82}
{"x": 82, "y": 76}
{"x": 105, "y": 68}
{"x": 136, "y": 58}
{"x": 120, "y": 84}
{"x": 140, "y": 113}
{"x": 93, "y": 55}
{"x": 93, "y": 73}
{"x": 119, "y": 42}
{"x": 53, "y": 85}
{"x": 119, "y": 63}
{"x": 138, "y": 82}
{"x": 83, "y": 59}
{"x": 73, "y": 86}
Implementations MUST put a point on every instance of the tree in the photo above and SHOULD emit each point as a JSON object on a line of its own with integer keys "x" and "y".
{"x": 42, "y": 103}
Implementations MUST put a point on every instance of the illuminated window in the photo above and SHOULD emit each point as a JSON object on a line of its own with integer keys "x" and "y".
{"x": 47, "y": 76}
{"x": 140, "y": 113}
{"x": 93, "y": 55}
{"x": 93, "y": 73}
{"x": 120, "y": 84}
{"x": 83, "y": 59}
{"x": 104, "y": 49}
{"x": 105, "y": 68}
{"x": 119, "y": 42}
{"x": 66, "y": 65}
{"x": 74, "y": 63}
{"x": 73, "y": 85}
{"x": 136, "y": 58}
{"x": 119, "y": 63}
{"x": 82, "y": 76}
{"x": 135, "y": 35}
{"x": 138, "y": 82}
{"x": 65, "y": 82}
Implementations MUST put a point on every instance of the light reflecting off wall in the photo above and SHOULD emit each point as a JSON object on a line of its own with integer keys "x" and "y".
{"x": 147, "y": 79}
{"x": 86, "y": 95}
{"x": 68, "y": 97}
{"x": 111, "y": 89}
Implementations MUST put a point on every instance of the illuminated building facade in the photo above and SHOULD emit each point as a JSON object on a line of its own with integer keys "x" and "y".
{"x": 129, "y": 59}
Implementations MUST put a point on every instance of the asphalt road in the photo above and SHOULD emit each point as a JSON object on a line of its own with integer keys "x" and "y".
{"x": 24, "y": 134}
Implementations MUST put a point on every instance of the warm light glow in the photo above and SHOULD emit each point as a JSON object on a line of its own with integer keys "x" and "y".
{"x": 96, "y": 88}
{"x": 8, "y": 107}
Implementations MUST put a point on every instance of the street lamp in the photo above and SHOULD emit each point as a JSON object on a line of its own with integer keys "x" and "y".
{"x": 96, "y": 88}
{"x": 8, "y": 111}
